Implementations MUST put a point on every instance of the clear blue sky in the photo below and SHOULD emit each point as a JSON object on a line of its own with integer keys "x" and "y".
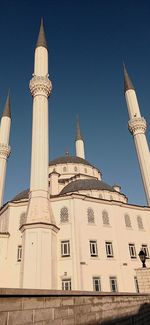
{"x": 88, "y": 41}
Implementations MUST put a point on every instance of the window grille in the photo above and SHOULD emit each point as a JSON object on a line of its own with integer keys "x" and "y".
{"x": 64, "y": 216}
{"x": 132, "y": 250}
{"x": 105, "y": 217}
{"x": 66, "y": 284}
{"x": 145, "y": 250}
{"x": 96, "y": 284}
{"x": 109, "y": 249}
{"x": 90, "y": 214}
{"x": 140, "y": 222}
{"x": 19, "y": 253}
{"x": 127, "y": 221}
{"x": 113, "y": 284}
{"x": 93, "y": 248}
{"x": 65, "y": 248}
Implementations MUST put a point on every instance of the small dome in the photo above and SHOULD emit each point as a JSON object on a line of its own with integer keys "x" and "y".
{"x": 86, "y": 184}
{"x": 71, "y": 160}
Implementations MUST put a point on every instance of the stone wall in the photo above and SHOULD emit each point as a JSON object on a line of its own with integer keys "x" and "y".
{"x": 44, "y": 307}
{"x": 143, "y": 277}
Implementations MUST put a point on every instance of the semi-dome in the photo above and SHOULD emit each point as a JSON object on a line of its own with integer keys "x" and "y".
{"x": 22, "y": 195}
{"x": 86, "y": 184}
{"x": 70, "y": 159}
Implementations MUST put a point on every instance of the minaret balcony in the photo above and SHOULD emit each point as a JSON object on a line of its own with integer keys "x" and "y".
{"x": 40, "y": 85}
{"x": 137, "y": 125}
{"x": 4, "y": 150}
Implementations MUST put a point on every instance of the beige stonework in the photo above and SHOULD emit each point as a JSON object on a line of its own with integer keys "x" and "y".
{"x": 143, "y": 277}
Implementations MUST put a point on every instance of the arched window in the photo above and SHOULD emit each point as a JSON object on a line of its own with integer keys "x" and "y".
{"x": 90, "y": 215}
{"x": 85, "y": 170}
{"x": 127, "y": 221}
{"x": 64, "y": 169}
{"x": 64, "y": 216}
{"x": 75, "y": 169}
{"x": 105, "y": 217}
{"x": 111, "y": 197}
{"x": 140, "y": 222}
{"x": 100, "y": 196}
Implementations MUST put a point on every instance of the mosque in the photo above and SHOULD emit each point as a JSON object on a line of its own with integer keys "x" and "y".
{"x": 71, "y": 230}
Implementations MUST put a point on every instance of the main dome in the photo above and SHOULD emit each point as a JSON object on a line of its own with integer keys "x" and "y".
{"x": 71, "y": 160}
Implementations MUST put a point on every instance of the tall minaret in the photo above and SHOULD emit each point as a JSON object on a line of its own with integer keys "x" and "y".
{"x": 39, "y": 232}
{"x": 137, "y": 127}
{"x": 4, "y": 145}
{"x": 79, "y": 142}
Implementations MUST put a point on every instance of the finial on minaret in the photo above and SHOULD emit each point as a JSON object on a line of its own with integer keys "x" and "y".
{"x": 127, "y": 82}
{"x": 67, "y": 152}
{"x": 41, "y": 37}
{"x": 78, "y": 130}
{"x": 7, "y": 111}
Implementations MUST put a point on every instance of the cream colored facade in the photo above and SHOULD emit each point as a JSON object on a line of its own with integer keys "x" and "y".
{"x": 71, "y": 230}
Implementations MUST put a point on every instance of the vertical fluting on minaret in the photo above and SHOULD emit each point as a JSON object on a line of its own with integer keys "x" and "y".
{"x": 39, "y": 231}
{"x": 4, "y": 145}
{"x": 137, "y": 127}
{"x": 79, "y": 143}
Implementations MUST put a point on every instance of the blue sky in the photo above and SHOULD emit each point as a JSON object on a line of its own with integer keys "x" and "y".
{"x": 88, "y": 41}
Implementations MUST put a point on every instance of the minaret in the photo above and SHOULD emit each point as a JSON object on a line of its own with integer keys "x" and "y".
{"x": 39, "y": 232}
{"x": 137, "y": 127}
{"x": 4, "y": 145}
{"x": 79, "y": 142}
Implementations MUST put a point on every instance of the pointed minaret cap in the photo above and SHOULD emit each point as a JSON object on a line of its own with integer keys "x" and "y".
{"x": 78, "y": 131}
{"x": 7, "y": 111}
{"x": 41, "y": 37}
{"x": 127, "y": 82}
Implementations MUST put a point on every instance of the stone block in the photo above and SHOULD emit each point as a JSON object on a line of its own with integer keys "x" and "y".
{"x": 91, "y": 318}
{"x": 67, "y": 301}
{"x": 20, "y": 317}
{"x": 3, "y": 318}
{"x": 10, "y": 303}
{"x": 52, "y": 302}
{"x": 80, "y": 319}
{"x": 33, "y": 303}
{"x": 68, "y": 321}
{"x": 52, "y": 322}
{"x": 44, "y": 314}
{"x": 60, "y": 312}
{"x": 95, "y": 308}
{"x": 79, "y": 300}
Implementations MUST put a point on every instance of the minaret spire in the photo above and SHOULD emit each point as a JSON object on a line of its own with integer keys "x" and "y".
{"x": 79, "y": 143}
{"x": 7, "y": 111}
{"x": 137, "y": 127}
{"x": 127, "y": 81}
{"x": 41, "y": 41}
{"x": 78, "y": 130}
{"x": 4, "y": 145}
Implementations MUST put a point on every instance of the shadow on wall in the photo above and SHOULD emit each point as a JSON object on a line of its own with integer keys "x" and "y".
{"x": 141, "y": 318}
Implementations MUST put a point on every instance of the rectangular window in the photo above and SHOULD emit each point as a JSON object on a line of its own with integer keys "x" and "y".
{"x": 66, "y": 284}
{"x": 109, "y": 249}
{"x": 113, "y": 284}
{"x": 145, "y": 250}
{"x": 136, "y": 284}
{"x": 65, "y": 248}
{"x": 132, "y": 250}
{"x": 93, "y": 248}
{"x": 19, "y": 253}
{"x": 96, "y": 284}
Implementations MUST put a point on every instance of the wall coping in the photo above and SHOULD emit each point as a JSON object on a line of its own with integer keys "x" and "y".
{"x": 55, "y": 293}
